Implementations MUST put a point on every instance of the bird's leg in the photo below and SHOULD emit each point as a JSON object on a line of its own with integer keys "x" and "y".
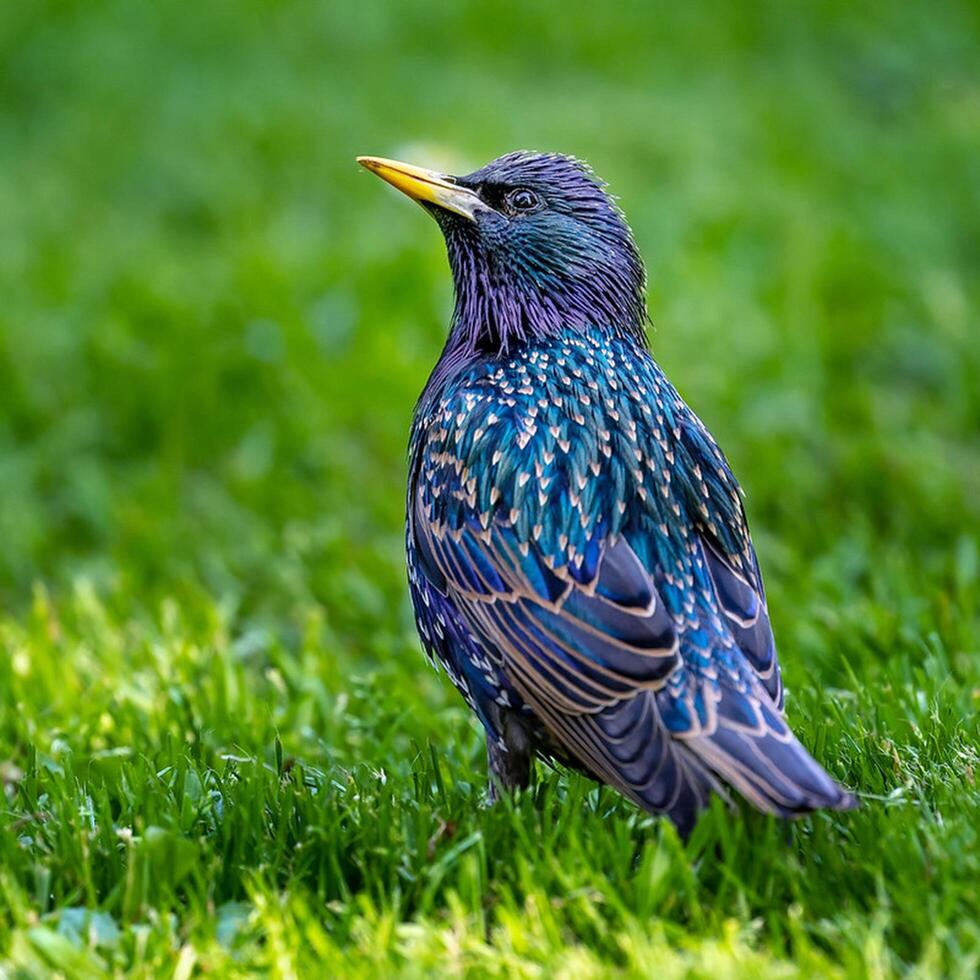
{"x": 508, "y": 757}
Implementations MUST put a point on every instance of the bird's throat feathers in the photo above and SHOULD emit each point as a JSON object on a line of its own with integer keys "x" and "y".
{"x": 508, "y": 296}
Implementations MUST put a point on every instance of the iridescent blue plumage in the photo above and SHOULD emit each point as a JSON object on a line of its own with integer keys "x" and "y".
{"x": 579, "y": 560}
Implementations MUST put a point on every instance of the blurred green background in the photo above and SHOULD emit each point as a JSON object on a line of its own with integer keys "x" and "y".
{"x": 213, "y": 327}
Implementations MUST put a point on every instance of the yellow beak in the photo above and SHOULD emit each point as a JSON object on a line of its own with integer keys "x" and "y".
{"x": 426, "y": 186}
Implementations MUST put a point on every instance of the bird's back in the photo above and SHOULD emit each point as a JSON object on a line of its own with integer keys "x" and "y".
{"x": 579, "y": 557}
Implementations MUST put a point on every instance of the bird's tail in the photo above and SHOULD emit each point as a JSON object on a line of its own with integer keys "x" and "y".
{"x": 750, "y": 747}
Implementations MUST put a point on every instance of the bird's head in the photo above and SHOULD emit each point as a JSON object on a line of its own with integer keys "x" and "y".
{"x": 536, "y": 245}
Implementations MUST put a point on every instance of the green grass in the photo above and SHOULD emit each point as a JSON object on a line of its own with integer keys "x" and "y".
{"x": 220, "y": 749}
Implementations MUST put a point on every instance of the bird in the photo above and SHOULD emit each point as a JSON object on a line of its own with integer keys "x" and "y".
{"x": 579, "y": 561}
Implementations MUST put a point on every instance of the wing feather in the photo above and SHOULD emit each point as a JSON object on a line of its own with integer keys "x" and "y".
{"x": 742, "y": 599}
{"x": 586, "y": 657}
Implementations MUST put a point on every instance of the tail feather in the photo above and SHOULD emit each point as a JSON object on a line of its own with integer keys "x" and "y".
{"x": 627, "y": 746}
{"x": 765, "y": 762}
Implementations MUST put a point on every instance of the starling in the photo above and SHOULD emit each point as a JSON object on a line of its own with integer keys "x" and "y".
{"x": 578, "y": 555}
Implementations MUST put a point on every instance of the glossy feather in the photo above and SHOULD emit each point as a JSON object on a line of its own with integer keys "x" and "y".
{"x": 579, "y": 559}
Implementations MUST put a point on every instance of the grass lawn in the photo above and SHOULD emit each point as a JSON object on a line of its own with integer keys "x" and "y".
{"x": 221, "y": 751}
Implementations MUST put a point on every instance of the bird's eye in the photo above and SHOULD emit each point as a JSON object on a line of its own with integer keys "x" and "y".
{"x": 522, "y": 200}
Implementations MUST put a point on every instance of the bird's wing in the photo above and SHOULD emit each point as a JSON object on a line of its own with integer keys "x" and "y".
{"x": 734, "y": 723}
{"x": 588, "y": 653}
{"x": 594, "y": 650}
{"x": 715, "y": 509}
{"x": 742, "y": 599}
